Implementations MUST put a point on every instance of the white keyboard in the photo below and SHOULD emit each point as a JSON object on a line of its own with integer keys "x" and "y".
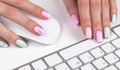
{"x": 85, "y": 55}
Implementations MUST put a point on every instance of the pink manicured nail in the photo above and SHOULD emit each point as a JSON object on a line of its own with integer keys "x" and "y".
{"x": 46, "y": 14}
{"x": 99, "y": 36}
{"x": 75, "y": 19}
{"x": 88, "y": 32}
{"x": 39, "y": 30}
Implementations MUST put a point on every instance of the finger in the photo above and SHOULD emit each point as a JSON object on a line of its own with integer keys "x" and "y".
{"x": 11, "y": 37}
{"x": 72, "y": 8}
{"x": 3, "y": 43}
{"x": 96, "y": 19}
{"x": 106, "y": 18}
{"x": 85, "y": 19}
{"x": 113, "y": 7}
{"x": 29, "y": 7}
{"x": 21, "y": 19}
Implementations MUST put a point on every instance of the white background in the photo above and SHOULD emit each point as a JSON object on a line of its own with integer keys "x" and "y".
{"x": 13, "y": 56}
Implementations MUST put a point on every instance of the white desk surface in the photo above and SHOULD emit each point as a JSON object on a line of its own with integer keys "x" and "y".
{"x": 13, "y": 57}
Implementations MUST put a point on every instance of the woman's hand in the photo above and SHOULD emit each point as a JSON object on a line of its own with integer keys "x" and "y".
{"x": 9, "y": 9}
{"x": 94, "y": 16}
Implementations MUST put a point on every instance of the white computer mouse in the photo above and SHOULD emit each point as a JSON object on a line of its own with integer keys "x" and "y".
{"x": 51, "y": 26}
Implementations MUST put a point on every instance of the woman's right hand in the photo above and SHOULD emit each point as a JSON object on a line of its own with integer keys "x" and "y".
{"x": 9, "y": 9}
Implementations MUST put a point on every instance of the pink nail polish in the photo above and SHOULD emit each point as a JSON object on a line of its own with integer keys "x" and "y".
{"x": 75, "y": 19}
{"x": 46, "y": 14}
{"x": 39, "y": 30}
{"x": 99, "y": 36}
{"x": 88, "y": 32}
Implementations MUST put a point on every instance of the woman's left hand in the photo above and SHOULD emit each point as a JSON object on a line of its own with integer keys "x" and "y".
{"x": 94, "y": 16}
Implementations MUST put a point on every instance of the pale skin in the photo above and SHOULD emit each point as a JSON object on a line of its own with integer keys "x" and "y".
{"x": 81, "y": 8}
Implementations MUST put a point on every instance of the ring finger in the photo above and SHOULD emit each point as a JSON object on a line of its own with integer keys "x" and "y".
{"x": 106, "y": 18}
{"x": 96, "y": 19}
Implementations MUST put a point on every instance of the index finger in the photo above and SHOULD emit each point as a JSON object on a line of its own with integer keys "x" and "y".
{"x": 29, "y": 7}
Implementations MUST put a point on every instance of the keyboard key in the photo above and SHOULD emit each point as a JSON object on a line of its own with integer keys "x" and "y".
{"x": 27, "y": 67}
{"x": 88, "y": 67}
{"x": 117, "y": 30}
{"x": 111, "y": 58}
{"x": 53, "y": 59}
{"x": 77, "y": 69}
{"x": 108, "y": 48}
{"x": 82, "y": 47}
{"x": 86, "y": 57}
{"x": 116, "y": 43}
{"x": 62, "y": 66}
{"x": 50, "y": 69}
{"x": 100, "y": 63}
{"x": 39, "y": 65}
{"x": 118, "y": 65}
{"x": 111, "y": 68}
{"x": 117, "y": 53}
{"x": 74, "y": 63}
{"x": 97, "y": 52}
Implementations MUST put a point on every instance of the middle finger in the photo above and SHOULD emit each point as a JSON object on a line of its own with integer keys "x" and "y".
{"x": 96, "y": 19}
{"x": 28, "y": 6}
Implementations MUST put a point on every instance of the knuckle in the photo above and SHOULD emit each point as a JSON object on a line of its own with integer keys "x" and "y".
{"x": 105, "y": 3}
{"x": 96, "y": 4}
{"x": 19, "y": 2}
{"x": 10, "y": 36}
{"x": 86, "y": 21}
{"x": 97, "y": 24}
{"x": 106, "y": 21}
{"x": 114, "y": 10}
{"x": 29, "y": 23}
{"x": 84, "y": 3}
{"x": 35, "y": 8}
{"x": 9, "y": 11}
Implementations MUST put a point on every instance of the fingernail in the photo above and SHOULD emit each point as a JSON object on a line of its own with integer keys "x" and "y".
{"x": 46, "y": 14}
{"x": 114, "y": 18}
{"x": 3, "y": 44}
{"x": 21, "y": 43}
{"x": 106, "y": 32}
{"x": 88, "y": 32}
{"x": 75, "y": 19}
{"x": 99, "y": 36}
{"x": 39, "y": 30}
